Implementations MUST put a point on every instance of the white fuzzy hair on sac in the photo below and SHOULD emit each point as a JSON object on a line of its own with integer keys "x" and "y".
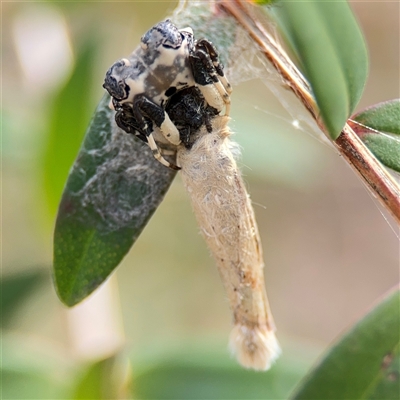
{"x": 226, "y": 219}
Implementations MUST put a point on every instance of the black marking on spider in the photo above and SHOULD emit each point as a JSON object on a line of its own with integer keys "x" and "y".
{"x": 171, "y": 91}
{"x": 189, "y": 111}
{"x": 126, "y": 120}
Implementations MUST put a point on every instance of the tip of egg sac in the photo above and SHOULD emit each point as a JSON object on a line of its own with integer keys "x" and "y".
{"x": 254, "y": 347}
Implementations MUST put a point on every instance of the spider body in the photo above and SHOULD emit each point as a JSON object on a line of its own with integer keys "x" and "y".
{"x": 167, "y": 61}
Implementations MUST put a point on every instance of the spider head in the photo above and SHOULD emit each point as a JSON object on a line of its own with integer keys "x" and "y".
{"x": 164, "y": 34}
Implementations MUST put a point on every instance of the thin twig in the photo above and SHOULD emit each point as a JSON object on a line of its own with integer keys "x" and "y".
{"x": 374, "y": 174}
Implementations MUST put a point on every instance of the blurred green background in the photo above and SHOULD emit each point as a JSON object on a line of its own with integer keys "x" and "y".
{"x": 329, "y": 251}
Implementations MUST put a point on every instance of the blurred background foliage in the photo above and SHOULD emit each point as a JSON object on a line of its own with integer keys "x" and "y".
{"x": 329, "y": 251}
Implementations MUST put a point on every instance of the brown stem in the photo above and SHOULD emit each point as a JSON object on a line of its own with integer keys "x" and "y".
{"x": 370, "y": 169}
{"x": 348, "y": 144}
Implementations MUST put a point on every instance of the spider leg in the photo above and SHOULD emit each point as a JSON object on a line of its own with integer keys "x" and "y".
{"x": 212, "y": 52}
{"x": 144, "y": 107}
{"x": 126, "y": 120}
{"x": 207, "y": 80}
{"x": 157, "y": 154}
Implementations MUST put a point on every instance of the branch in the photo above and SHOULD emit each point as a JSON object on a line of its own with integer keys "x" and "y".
{"x": 374, "y": 174}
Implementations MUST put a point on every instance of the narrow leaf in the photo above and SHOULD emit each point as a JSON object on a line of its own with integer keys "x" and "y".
{"x": 383, "y": 117}
{"x": 386, "y": 148}
{"x": 330, "y": 51}
{"x": 379, "y": 128}
{"x": 113, "y": 189}
{"x": 364, "y": 363}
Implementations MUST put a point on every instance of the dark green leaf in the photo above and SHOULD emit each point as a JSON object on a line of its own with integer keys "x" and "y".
{"x": 113, "y": 189}
{"x": 330, "y": 50}
{"x": 15, "y": 289}
{"x": 69, "y": 116}
{"x": 383, "y": 117}
{"x": 364, "y": 363}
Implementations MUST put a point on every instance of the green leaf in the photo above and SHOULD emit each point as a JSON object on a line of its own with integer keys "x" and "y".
{"x": 364, "y": 363}
{"x": 383, "y": 117}
{"x": 388, "y": 387}
{"x": 379, "y": 128}
{"x": 15, "y": 289}
{"x": 103, "y": 379}
{"x": 386, "y": 148}
{"x": 330, "y": 50}
{"x": 69, "y": 116}
{"x": 114, "y": 187}
{"x": 206, "y": 373}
